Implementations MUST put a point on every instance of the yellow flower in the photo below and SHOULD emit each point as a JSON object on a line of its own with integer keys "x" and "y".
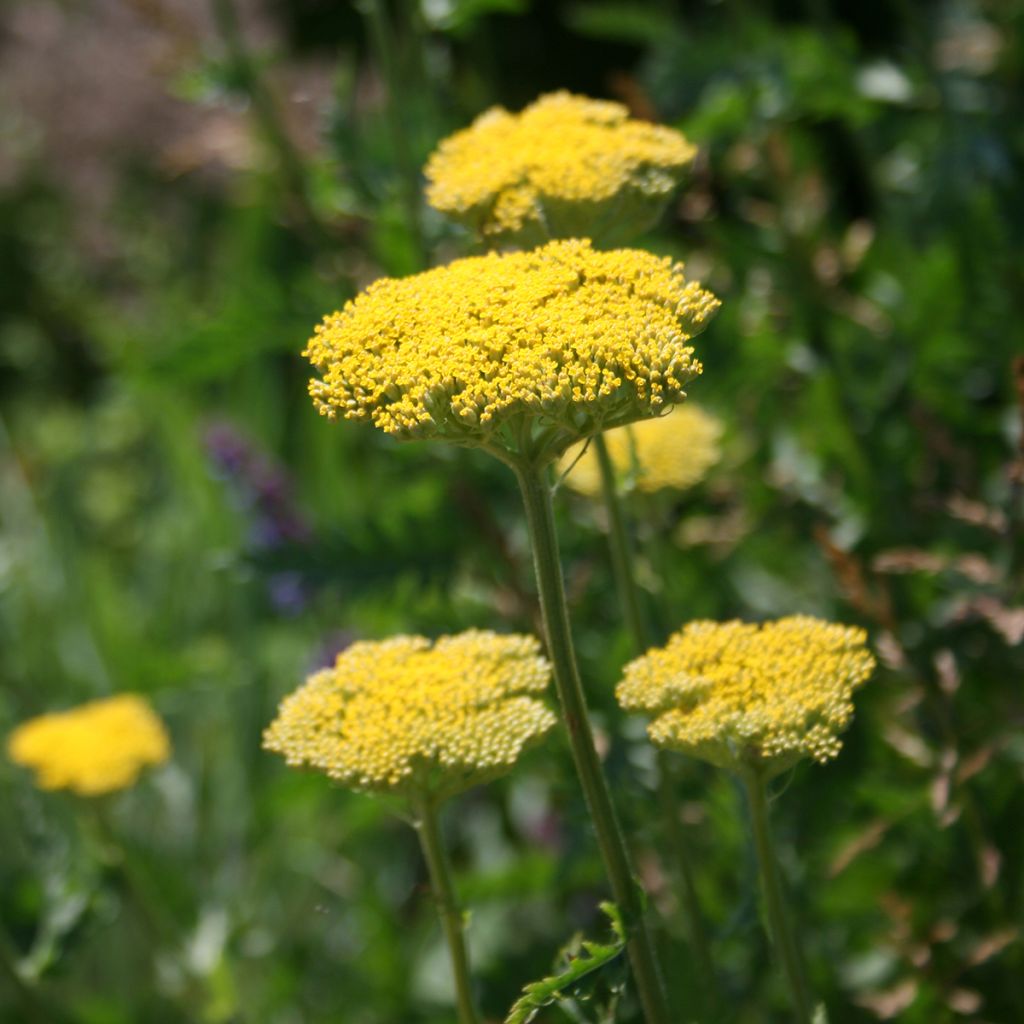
{"x": 670, "y": 451}
{"x": 742, "y": 696}
{"x": 564, "y": 166}
{"x": 403, "y": 715}
{"x": 521, "y": 353}
{"x": 93, "y": 749}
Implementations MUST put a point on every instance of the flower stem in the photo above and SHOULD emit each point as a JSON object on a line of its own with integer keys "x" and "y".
{"x": 382, "y": 36}
{"x": 629, "y": 598}
{"x": 267, "y": 116}
{"x": 31, "y": 1003}
{"x": 621, "y": 550}
{"x": 427, "y": 828}
{"x": 681, "y": 850}
{"x": 775, "y": 904}
{"x": 625, "y": 888}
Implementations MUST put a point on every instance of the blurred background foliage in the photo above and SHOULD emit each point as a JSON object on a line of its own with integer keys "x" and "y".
{"x": 186, "y": 186}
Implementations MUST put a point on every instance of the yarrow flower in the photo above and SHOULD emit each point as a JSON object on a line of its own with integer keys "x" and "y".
{"x": 565, "y": 166}
{"x": 751, "y": 696}
{"x": 93, "y": 749}
{"x": 407, "y": 716}
{"x": 670, "y": 451}
{"x": 521, "y": 353}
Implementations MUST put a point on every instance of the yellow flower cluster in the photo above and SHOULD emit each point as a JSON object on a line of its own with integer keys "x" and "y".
{"x": 670, "y": 451}
{"x": 406, "y": 716}
{"x": 741, "y": 695}
{"x": 93, "y": 749}
{"x": 523, "y": 353}
{"x": 565, "y": 166}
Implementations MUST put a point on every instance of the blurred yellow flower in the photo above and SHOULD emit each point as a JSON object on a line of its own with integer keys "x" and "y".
{"x": 565, "y": 166}
{"x": 93, "y": 749}
{"x": 521, "y": 353}
{"x": 670, "y": 451}
{"x": 404, "y": 715}
{"x": 741, "y": 695}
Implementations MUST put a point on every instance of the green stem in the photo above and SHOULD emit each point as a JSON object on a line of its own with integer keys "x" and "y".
{"x": 621, "y": 549}
{"x": 32, "y": 1005}
{"x": 625, "y": 888}
{"x": 427, "y": 828}
{"x": 681, "y": 850}
{"x": 775, "y": 904}
{"x": 160, "y": 925}
{"x": 629, "y": 598}
{"x": 276, "y": 138}
{"x": 382, "y": 36}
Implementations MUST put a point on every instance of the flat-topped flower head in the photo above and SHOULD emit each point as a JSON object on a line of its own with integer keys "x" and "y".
{"x": 406, "y": 716}
{"x": 565, "y": 166}
{"x": 673, "y": 451}
{"x": 93, "y": 749}
{"x": 748, "y": 696}
{"x": 521, "y": 353}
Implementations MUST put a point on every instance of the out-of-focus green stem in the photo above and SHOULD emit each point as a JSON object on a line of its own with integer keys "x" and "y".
{"x": 775, "y": 904}
{"x": 621, "y": 549}
{"x": 29, "y": 1000}
{"x": 626, "y": 890}
{"x": 265, "y": 111}
{"x": 428, "y": 829}
{"x": 684, "y": 863}
{"x": 382, "y": 36}
{"x": 158, "y": 923}
{"x": 632, "y": 608}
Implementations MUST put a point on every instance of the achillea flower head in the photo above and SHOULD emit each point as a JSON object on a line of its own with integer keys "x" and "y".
{"x": 93, "y": 749}
{"x": 751, "y": 696}
{"x": 565, "y": 166}
{"x": 670, "y": 451}
{"x": 521, "y": 353}
{"x": 406, "y": 716}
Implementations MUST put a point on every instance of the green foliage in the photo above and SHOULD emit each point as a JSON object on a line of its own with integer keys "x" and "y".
{"x": 581, "y": 958}
{"x": 176, "y": 519}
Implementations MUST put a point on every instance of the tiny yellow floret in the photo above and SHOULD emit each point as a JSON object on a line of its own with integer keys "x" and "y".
{"x": 741, "y": 695}
{"x": 673, "y": 451}
{"x": 523, "y": 353}
{"x": 566, "y": 165}
{"x": 407, "y": 716}
{"x": 93, "y": 749}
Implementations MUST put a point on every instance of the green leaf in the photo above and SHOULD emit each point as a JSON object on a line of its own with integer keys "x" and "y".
{"x": 595, "y": 955}
{"x": 621, "y": 22}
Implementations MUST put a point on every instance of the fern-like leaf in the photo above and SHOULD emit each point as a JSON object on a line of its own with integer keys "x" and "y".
{"x": 594, "y": 955}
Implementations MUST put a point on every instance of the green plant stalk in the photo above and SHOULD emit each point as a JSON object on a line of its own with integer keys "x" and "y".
{"x": 630, "y": 600}
{"x": 775, "y": 905}
{"x": 429, "y": 832}
{"x": 161, "y": 929}
{"x": 32, "y": 1005}
{"x": 684, "y": 863}
{"x": 382, "y": 36}
{"x": 626, "y": 889}
{"x": 275, "y": 137}
{"x": 621, "y": 550}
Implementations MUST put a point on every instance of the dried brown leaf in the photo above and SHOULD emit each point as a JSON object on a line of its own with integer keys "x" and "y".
{"x": 866, "y": 839}
{"x": 947, "y": 671}
{"x": 991, "y": 865}
{"x": 976, "y": 513}
{"x": 906, "y": 560}
{"x": 890, "y": 651}
{"x": 888, "y": 1003}
{"x": 910, "y": 746}
{"x": 974, "y": 764}
{"x": 991, "y": 945}
{"x": 964, "y": 1000}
